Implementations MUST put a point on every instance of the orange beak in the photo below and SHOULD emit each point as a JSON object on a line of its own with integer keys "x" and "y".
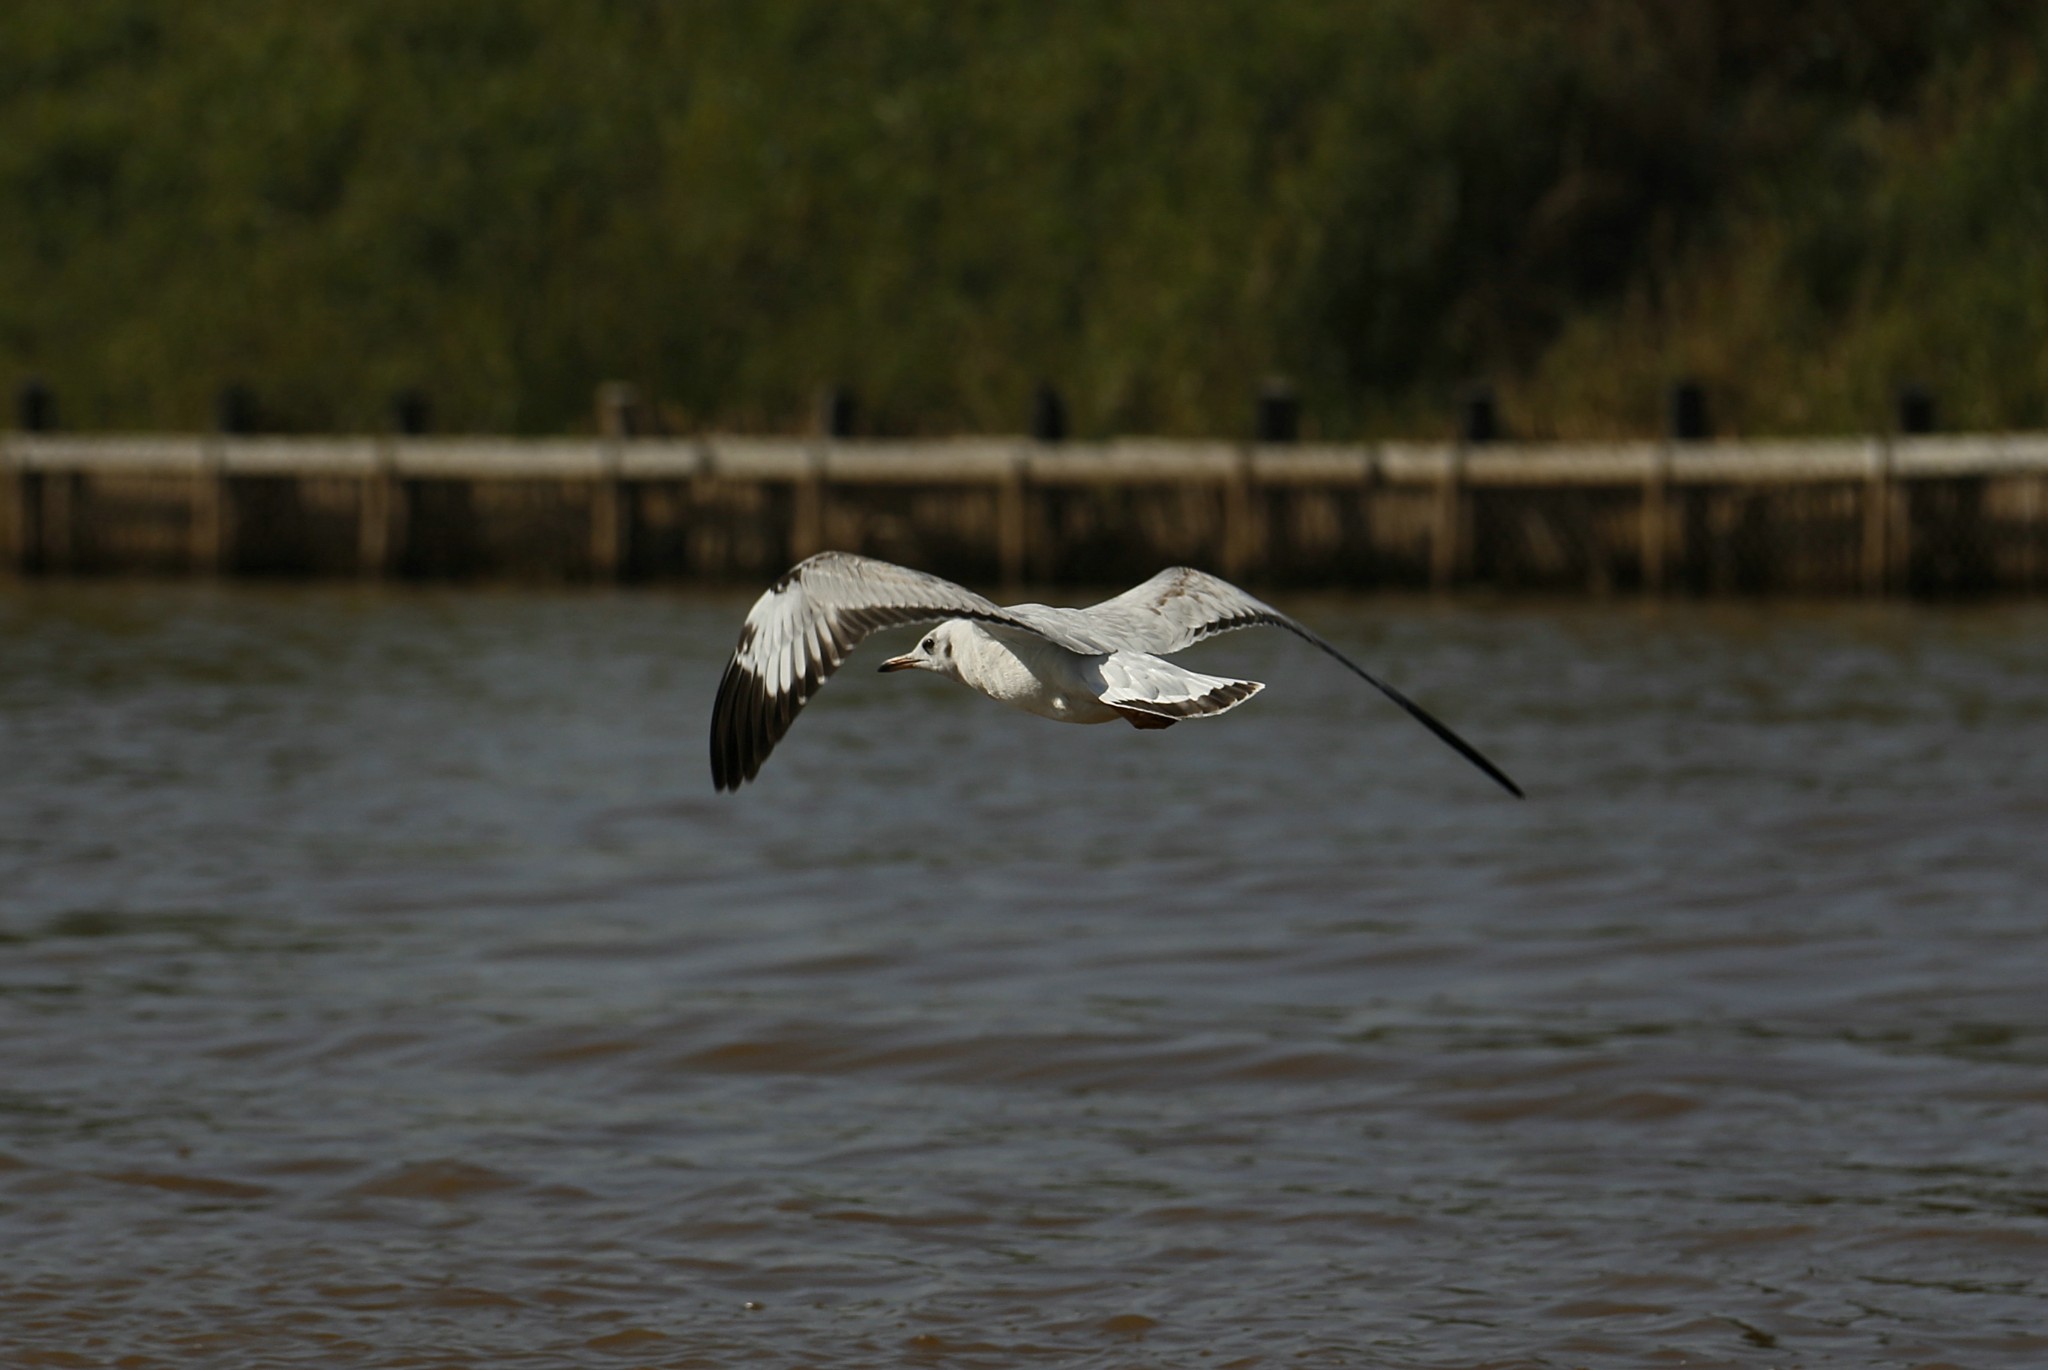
{"x": 899, "y": 663}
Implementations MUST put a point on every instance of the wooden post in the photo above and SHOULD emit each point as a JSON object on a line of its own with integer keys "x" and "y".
{"x": 410, "y": 412}
{"x": 1478, "y": 415}
{"x": 234, "y": 409}
{"x": 1012, "y": 525}
{"x": 610, "y": 518}
{"x": 35, "y": 406}
{"x": 807, "y": 509}
{"x": 1447, "y": 538}
{"x": 1240, "y": 518}
{"x": 706, "y": 543}
{"x": 1371, "y": 483}
{"x": 1478, "y": 422}
{"x": 835, "y": 415}
{"x": 1048, "y": 414}
{"x": 1721, "y": 511}
{"x": 1685, "y": 412}
{"x": 14, "y": 524}
{"x": 1277, "y": 416}
{"x": 212, "y": 515}
{"x": 618, "y": 409}
{"x": 1656, "y": 523}
{"x": 1877, "y": 520}
{"x": 2030, "y": 563}
{"x": 1916, "y": 409}
{"x": 35, "y": 409}
{"x": 56, "y": 519}
{"x": 381, "y": 517}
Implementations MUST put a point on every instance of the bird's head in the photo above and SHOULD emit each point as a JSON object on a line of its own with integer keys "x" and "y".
{"x": 934, "y": 651}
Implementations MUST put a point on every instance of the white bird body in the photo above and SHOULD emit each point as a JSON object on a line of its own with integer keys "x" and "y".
{"x": 1025, "y": 671}
{"x": 1092, "y": 665}
{"x": 1041, "y": 677}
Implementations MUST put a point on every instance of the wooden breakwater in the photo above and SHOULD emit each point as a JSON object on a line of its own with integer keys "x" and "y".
{"x": 1921, "y": 515}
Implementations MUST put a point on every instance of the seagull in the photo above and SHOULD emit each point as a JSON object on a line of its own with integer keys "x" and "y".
{"x": 1093, "y": 665}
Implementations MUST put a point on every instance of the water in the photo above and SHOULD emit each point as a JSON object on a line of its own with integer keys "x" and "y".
{"x": 381, "y": 984}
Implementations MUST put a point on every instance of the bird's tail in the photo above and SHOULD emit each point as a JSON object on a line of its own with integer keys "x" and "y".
{"x": 1134, "y": 682}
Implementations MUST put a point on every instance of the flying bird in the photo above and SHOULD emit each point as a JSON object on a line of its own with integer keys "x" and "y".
{"x": 1092, "y": 665}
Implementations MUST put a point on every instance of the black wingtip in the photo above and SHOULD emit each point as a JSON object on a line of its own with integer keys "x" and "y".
{"x": 725, "y": 768}
{"x": 1451, "y": 739}
{"x": 1407, "y": 705}
{"x": 1462, "y": 747}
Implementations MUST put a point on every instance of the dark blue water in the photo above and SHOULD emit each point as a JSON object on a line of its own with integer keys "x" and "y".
{"x": 382, "y": 984}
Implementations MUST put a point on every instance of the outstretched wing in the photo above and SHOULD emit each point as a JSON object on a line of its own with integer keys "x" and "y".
{"x": 1181, "y": 606}
{"x": 1178, "y": 608}
{"x": 798, "y": 632}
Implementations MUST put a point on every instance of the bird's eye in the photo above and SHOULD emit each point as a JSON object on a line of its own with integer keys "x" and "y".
{"x": 928, "y": 643}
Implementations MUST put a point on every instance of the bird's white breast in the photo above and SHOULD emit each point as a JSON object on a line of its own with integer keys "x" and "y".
{"x": 1027, "y": 672}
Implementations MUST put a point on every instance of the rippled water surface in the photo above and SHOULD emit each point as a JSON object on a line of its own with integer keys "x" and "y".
{"x": 381, "y": 984}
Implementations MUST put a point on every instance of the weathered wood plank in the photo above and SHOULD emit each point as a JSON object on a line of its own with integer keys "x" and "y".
{"x": 1949, "y": 514}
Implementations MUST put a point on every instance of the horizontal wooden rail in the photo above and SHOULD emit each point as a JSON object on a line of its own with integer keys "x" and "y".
{"x": 1937, "y": 514}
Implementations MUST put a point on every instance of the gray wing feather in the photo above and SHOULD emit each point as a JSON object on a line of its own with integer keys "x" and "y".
{"x": 1174, "y": 610}
{"x": 1178, "y": 608}
{"x": 798, "y": 632}
{"x": 1181, "y": 606}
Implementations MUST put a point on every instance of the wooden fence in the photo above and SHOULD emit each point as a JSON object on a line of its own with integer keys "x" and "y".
{"x": 1921, "y": 515}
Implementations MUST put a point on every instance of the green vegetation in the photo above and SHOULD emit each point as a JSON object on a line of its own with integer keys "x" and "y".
{"x": 1153, "y": 204}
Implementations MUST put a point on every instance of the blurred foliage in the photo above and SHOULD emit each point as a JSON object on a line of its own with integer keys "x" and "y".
{"x": 1154, "y": 205}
